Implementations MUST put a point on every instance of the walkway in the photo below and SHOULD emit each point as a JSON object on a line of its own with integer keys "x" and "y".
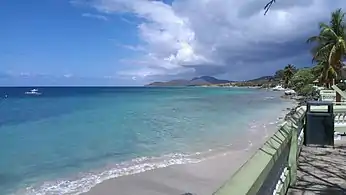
{"x": 321, "y": 171}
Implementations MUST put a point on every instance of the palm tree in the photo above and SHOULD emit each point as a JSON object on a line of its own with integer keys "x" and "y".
{"x": 330, "y": 47}
{"x": 289, "y": 71}
{"x": 323, "y": 71}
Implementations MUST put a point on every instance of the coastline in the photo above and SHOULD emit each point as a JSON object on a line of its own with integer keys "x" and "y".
{"x": 195, "y": 178}
{"x": 203, "y": 177}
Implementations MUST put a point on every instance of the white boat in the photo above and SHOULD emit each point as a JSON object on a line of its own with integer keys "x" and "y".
{"x": 290, "y": 92}
{"x": 278, "y": 88}
{"x": 33, "y": 92}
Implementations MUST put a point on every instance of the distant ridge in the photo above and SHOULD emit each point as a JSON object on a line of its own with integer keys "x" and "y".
{"x": 263, "y": 78}
{"x": 197, "y": 81}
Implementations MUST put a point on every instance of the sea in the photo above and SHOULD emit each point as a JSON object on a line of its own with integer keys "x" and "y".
{"x": 65, "y": 140}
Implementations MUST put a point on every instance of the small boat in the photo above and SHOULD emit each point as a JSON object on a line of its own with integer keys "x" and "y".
{"x": 33, "y": 92}
{"x": 290, "y": 92}
{"x": 278, "y": 88}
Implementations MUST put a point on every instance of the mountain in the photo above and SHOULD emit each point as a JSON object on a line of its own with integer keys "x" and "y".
{"x": 206, "y": 80}
{"x": 179, "y": 82}
{"x": 197, "y": 81}
{"x": 261, "y": 79}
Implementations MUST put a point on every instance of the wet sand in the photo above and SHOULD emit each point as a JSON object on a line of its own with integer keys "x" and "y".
{"x": 202, "y": 178}
{"x": 199, "y": 178}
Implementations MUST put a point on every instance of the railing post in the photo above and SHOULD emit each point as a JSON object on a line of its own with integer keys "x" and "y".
{"x": 292, "y": 158}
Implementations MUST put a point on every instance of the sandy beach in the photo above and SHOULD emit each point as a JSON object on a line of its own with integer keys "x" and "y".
{"x": 202, "y": 178}
{"x": 199, "y": 178}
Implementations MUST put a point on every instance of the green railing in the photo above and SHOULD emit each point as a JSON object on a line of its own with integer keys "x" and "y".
{"x": 274, "y": 166}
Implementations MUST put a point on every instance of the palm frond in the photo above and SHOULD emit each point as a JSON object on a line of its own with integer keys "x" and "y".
{"x": 323, "y": 25}
{"x": 323, "y": 50}
{"x": 337, "y": 21}
{"x": 329, "y": 33}
{"x": 268, "y": 6}
{"x": 313, "y": 39}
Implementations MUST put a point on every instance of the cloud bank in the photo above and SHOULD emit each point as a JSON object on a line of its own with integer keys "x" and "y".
{"x": 218, "y": 37}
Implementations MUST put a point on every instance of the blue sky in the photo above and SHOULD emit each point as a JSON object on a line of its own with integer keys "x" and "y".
{"x": 52, "y": 37}
{"x": 117, "y": 42}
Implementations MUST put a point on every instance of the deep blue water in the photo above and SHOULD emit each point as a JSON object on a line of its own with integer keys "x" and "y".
{"x": 68, "y": 139}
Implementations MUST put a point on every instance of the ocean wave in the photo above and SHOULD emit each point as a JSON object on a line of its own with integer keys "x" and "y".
{"x": 86, "y": 181}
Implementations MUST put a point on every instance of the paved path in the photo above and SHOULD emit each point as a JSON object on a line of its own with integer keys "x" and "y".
{"x": 321, "y": 171}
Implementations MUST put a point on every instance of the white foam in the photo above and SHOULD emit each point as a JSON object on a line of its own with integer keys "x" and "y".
{"x": 89, "y": 180}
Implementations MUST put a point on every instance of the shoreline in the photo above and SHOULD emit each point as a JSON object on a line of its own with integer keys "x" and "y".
{"x": 195, "y": 178}
{"x": 202, "y": 177}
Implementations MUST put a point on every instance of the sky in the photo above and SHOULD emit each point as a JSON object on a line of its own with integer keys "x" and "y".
{"x": 134, "y": 42}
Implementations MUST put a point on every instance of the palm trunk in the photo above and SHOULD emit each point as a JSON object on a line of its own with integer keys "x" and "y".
{"x": 338, "y": 97}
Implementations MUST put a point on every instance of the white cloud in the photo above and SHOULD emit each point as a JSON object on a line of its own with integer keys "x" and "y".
{"x": 134, "y": 47}
{"x": 68, "y": 75}
{"x": 25, "y": 74}
{"x": 213, "y": 37}
{"x": 95, "y": 16}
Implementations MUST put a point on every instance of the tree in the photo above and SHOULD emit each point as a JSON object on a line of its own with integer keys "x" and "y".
{"x": 279, "y": 75}
{"x": 289, "y": 71}
{"x": 301, "y": 81}
{"x": 323, "y": 71}
{"x": 330, "y": 45}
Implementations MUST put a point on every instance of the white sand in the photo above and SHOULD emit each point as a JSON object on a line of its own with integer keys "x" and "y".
{"x": 199, "y": 178}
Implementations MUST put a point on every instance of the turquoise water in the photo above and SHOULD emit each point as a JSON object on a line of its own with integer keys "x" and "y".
{"x": 68, "y": 139}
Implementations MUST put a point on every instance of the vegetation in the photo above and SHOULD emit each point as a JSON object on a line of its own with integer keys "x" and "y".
{"x": 288, "y": 73}
{"x": 302, "y": 81}
{"x": 328, "y": 53}
{"x": 330, "y": 46}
